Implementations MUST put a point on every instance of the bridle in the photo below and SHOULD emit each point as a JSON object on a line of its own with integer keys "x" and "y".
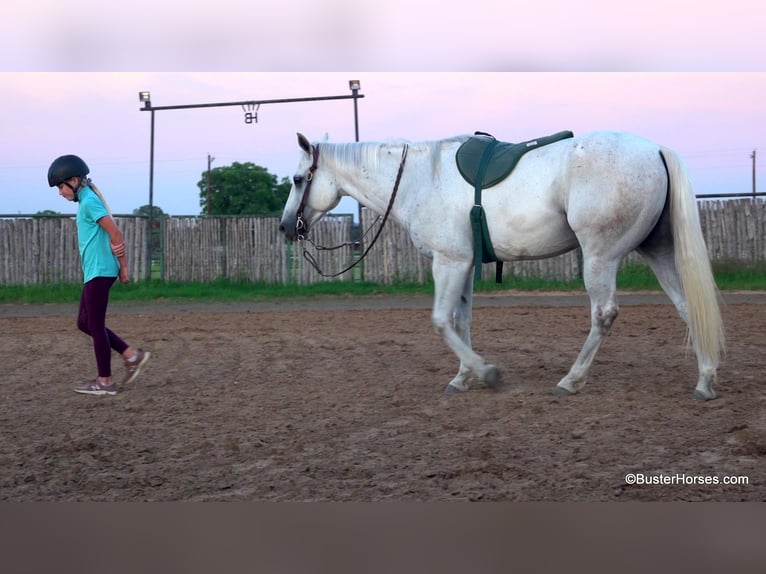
{"x": 300, "y": 225}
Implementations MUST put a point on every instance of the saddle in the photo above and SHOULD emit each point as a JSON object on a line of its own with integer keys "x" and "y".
{"x": 483, "y": 162}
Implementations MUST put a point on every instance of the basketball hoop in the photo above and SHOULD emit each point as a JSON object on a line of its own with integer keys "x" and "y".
{"x": 251, "y": 112}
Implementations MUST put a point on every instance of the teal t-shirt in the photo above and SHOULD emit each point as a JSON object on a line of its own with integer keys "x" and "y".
{"x": 95, "y": 252}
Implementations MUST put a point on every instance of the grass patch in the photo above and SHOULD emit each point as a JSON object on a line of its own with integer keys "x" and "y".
{"x": 220, "y": 290}
{"x": 637, "y": 277}
{"x": 633, "y": 277}
{"x": 527, "y": 284}
{"x": 731, "y": 276}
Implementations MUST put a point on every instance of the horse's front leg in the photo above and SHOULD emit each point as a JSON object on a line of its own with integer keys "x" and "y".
{"x": 452, "y": 316}
{"x": 462, "y": 319}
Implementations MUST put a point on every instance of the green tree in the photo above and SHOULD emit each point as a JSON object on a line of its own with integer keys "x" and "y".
{"x": 146, "y": 211}
{"x": 242, "y": 189}
{"x": 47, "y": 213}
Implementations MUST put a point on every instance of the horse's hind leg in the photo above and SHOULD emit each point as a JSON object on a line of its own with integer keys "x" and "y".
{"x": 661, "y": 260}
{"x": 600, "y": 281}
{"x": 452, "y": 316}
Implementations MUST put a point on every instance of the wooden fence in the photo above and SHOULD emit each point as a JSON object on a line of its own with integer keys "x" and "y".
{"x": 249, "y": 249}
{"x": 734, "y": 230}
{"x": 43, "y": 250}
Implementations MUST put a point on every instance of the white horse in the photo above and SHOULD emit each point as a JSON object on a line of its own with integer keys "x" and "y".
{"x": 607, "y": 192}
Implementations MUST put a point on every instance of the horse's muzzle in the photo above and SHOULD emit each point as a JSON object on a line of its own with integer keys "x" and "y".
{"x": 288, "y": 231}
{"x": 293, "y": 228}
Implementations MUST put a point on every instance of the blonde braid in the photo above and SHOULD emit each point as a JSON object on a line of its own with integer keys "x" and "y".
{"x": 117, "y": 249}
{"x": 89, "y": 183}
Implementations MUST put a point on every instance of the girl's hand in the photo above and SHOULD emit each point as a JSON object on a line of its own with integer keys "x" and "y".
{"x": 124, "y": 278}
{"x": 118, "y": 249}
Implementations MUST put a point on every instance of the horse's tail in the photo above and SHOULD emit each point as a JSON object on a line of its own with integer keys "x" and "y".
{"x": 697, "y": 281}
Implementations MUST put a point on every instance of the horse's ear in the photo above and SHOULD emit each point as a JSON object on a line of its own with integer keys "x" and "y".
{"x": 326, "y": 137}
{"x": 304, "y": 143}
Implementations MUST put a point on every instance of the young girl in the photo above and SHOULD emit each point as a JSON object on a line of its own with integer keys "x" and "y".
{"x": 102, "y": 254}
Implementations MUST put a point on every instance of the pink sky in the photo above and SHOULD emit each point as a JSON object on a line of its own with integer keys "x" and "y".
{"x": 715, "y": 120}
{"x": 400, "y": 35}
{"x": 410, "y": 49}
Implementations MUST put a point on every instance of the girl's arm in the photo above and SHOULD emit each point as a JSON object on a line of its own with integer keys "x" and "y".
{"x": 118, "y": 245}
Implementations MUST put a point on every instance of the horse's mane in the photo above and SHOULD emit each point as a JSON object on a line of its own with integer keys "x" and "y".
{"x": 368, "y": 154}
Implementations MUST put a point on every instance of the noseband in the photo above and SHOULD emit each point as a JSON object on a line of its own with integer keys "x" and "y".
{"x": 300, "y": 225}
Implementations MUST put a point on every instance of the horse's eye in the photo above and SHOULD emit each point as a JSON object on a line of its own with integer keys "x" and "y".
{"x": 298, "y": 180}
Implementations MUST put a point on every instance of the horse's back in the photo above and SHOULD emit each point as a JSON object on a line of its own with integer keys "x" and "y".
{"x": 603, "y": 186}
{"x": 603, "y": 161}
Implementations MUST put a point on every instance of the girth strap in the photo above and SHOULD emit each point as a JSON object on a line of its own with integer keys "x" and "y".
{"x": 482, "y": 243}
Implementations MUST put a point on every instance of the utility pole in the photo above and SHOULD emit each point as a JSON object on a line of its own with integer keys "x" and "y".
{"x": 210, "y": 160}
{"x": 753, "y": 158}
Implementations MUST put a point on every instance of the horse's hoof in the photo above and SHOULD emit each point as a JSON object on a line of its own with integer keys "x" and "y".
{"x": 452, "y": 390}
{"x": 700, "y": 396}
{"x": 493, "y": 379}
{"x": 563, "y": 392}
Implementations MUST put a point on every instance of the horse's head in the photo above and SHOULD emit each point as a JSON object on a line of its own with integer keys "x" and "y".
{"x": 313, "y": 193}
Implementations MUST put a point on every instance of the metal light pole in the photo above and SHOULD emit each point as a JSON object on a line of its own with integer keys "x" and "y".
{"x": 251, "y": 116}
{"x": 146, "y": 98}
{"x": 355, "y": 86}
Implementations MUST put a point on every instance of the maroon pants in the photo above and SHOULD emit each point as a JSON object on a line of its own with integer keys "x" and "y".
{"x": 91, "y": 319}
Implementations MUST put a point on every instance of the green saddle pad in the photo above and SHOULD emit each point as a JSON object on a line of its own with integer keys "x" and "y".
{"x": 483, "y": 162}
{"x": 503, "y": 158}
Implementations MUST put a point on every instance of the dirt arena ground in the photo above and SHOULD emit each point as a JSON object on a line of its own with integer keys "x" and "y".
{"x": 342, "y": 400}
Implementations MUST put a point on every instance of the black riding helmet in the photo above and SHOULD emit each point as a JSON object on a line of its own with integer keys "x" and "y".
{"x": 65, "y": 167}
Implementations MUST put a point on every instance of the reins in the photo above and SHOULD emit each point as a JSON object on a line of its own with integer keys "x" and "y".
{"x": 300, "y": 225}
